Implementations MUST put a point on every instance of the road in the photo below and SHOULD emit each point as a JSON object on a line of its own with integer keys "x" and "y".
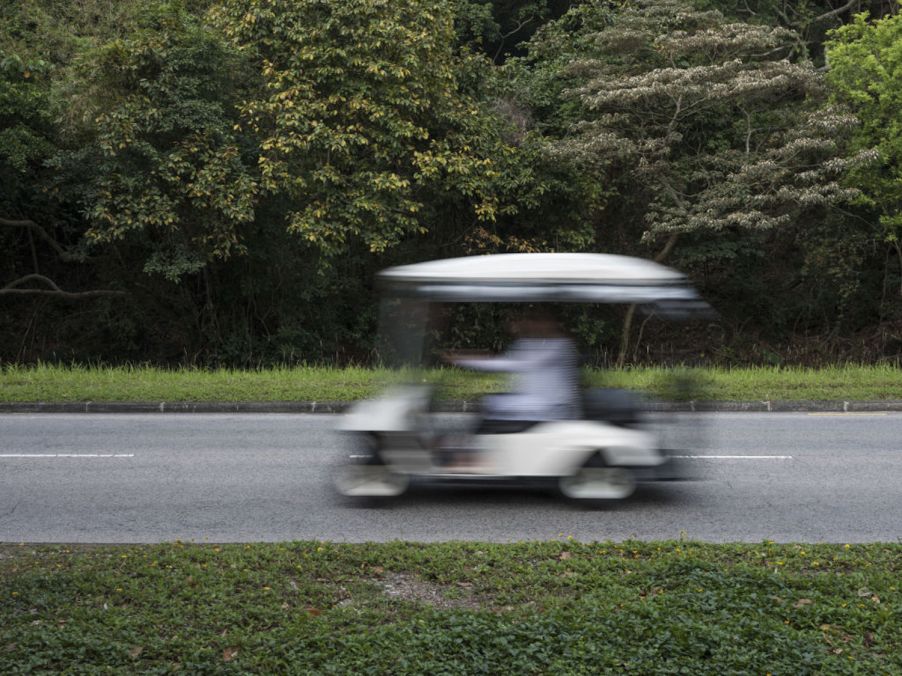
{"x": 237, "y": 478}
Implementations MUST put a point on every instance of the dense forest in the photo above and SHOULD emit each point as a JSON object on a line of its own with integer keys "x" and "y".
{"x": 217, "y": 181}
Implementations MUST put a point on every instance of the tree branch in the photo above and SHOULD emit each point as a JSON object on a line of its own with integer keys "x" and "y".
{"x": 835, "y": 12}
{"x": 782, "y": 13}
{"x": 748, "y": 136}
{"x": 676, "y": 115}
{"x": 764, "y": 55}
{"x": 517, "y": 29}
{"x": 668, "y": 247}
{"x": 13, "y": 289}
{"x": 505, "y": 36}
{"x": 34, "y": 227}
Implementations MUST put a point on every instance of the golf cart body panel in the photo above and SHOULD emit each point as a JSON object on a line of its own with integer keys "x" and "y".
{"x": 390, "y": 413}
{"x": 559, "y": 447}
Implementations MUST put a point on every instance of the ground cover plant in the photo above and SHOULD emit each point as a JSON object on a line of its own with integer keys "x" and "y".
{"x": 553, "y": 607}
{"x": 145, "y": 383}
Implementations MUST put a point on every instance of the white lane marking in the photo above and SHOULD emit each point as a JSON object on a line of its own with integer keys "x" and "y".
{"x": 841, "y": 414}
{"x": 735, "y": 457}
{"x": 67, "y": 455}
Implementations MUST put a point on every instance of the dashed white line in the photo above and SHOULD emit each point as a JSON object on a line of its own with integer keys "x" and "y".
{"x": 735, "y": 457}
{"x": 848, "y": 414}
{"x": 67, "y": 455}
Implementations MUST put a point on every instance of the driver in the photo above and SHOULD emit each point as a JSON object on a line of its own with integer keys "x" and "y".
{"x": 545, "y": 367}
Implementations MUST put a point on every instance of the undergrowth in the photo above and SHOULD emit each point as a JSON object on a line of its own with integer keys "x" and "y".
{"x": 403, "y": 608}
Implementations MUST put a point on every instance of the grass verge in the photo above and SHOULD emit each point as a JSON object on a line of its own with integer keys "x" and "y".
{"x": 78, "y": 383}
{"x": 553, "y": 607}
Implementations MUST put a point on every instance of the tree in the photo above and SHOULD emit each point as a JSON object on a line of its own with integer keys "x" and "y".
{"x": 363, "y": 119}
{"x": 26, "y": 142}
{"x": 500, "y": 27}
{"x": 703, "y": 126}
{"x": 812, "y": 20}
{"x": 866, "y": 74}
{"x": 157, "y": 117}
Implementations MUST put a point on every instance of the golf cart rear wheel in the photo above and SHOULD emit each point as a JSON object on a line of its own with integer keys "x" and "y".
{"x": 370, "y": 481}
{"x": 596, "y": 483}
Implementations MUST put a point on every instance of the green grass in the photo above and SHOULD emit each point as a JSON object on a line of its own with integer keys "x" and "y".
{"x": 851, "y": 382}
{"x": 78, "y": 383}
{"x": 554, "y": 607}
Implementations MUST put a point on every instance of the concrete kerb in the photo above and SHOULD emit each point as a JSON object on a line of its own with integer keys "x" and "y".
{"x": 840, "y": 406}
{"x": 174, "y": 407}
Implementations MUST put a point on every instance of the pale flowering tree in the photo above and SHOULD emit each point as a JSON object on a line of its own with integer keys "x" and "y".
{"x": 705, "y": 126}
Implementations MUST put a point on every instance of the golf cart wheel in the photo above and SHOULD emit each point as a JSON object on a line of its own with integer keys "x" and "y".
{"x": 596, "y": 482}
{"x": 370, "y": 481}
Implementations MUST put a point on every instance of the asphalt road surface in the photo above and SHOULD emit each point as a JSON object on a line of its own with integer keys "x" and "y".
{"x": 238, "y": 478}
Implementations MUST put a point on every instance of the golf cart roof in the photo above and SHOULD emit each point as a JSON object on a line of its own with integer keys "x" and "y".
{"x": 541, "y": 277}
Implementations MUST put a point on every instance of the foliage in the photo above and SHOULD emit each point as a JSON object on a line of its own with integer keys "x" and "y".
{"x": 25, "y": 124}
{"x": 363, "y": 118}
{"x": 810, "y": 19}
{"x": 167, "y": 166}
{"x": 720, "y": 129}
{"x": 552, "y": 607}
{"x": 29, "y": 204}
{"x": 242, "y": 169}
{"x": 866, "y": 73}
{"x": 500, "y": 28}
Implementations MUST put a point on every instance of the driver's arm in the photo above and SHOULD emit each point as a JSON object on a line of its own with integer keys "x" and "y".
{"x": 517, "y": 358}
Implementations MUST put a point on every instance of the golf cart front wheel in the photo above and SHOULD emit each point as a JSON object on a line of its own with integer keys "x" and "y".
{"x": 370, "y": 481}
{"x": 598, "y": 484}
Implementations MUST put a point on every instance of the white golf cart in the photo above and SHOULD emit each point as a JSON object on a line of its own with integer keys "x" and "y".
{"x": 598, "y": 457}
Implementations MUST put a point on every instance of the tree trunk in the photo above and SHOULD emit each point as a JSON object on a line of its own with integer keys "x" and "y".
{"x": 899, "y": 253}
{"x": 625, "y": 335}
{"x": 631, "y": 310}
